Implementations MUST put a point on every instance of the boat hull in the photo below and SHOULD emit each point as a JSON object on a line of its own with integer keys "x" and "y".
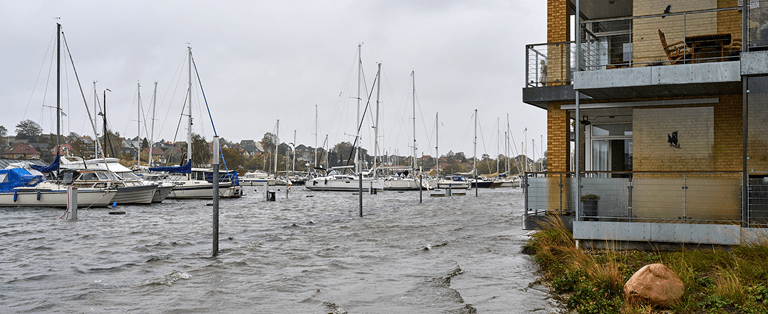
{"x": 162, "y": 193}
{"x": 204, "y": 190}
{"x": 405, "y": 185}
{"x": 319, "y": 184}
{"x": 137, "y": 194}
{"x": 56, "y": 198}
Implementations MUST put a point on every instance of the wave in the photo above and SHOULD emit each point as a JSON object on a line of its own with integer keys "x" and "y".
{"x": 169, "y": 280}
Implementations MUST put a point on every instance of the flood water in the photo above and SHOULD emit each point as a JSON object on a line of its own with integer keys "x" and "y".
{"x": 310, "y": 253}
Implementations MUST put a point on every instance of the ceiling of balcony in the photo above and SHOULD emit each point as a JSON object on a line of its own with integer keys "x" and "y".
{"x": 600, "y": 9}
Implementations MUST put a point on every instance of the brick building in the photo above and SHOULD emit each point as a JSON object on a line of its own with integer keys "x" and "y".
{"x": 646, "y": 109}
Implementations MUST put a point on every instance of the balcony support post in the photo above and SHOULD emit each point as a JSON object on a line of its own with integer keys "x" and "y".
{"x": 578, "y": 116}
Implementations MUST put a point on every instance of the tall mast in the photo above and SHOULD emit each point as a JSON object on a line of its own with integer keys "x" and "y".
{"x": 315, "y": 135}
{"x": 376, "y": 127}
{"x": 138, "y": 124}
{"x": 508, "y": 149}
{"x": 104, "y": 118}
{"x": 152, "y": 132}
{"x": 498, "y": 138}
{"x": 474, "y": 160}
{"x": 189, "y": 108}
{"x": 293, "y": 164}
{"x": 357, "y": 137}
{"x": 277, "y": 140}
{"x": 413, "y": 76}
{"x": 58, "y": 92}
{"x": 95, "y": 122}
{"x": 437, "y": 155}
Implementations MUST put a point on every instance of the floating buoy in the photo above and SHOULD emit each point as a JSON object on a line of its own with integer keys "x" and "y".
{"x": 310, "y": 196}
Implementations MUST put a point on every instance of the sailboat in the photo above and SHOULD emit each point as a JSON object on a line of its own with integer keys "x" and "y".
{"x": 22, "y": 186}
{"x": 339, "y": 178}
{"x": 196, "y": 183}
{"x": 476, "y": 181}
{"x": 403, "y": 181}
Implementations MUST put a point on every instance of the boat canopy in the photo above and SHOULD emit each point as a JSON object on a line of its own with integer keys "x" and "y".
{"x": 180, "y": 169}
{"x": 17, "y": 177}
{"x": 49, "y": 168}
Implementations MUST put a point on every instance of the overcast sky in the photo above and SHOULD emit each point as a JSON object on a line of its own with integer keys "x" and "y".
{"x": 260, "y": 61}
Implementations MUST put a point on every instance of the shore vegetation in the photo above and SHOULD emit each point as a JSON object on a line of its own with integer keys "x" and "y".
{"x": 717, "y": 280}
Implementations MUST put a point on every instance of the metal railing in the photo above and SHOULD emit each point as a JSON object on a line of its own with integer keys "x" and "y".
{"x": 663, "y": 39}
{"x": 659, "y": 197}
{"x": 549, "y": 64}
{"x": 650, "y": 40}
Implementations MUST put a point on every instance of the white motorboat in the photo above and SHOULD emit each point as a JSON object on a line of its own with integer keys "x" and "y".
{"x": 96, "y": 174}
{"x": 453, "y": 182}
{"x": 255, "y": 178}
{"x": 20, "y": 188}
{"x": 335, "y": 180}
{"x": 199, "y": 185}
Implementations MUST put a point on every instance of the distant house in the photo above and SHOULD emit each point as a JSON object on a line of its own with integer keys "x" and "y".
{"x": 63, "y": 149}
{"x": 22, "y": 151}
{"x": 158, "y": 156}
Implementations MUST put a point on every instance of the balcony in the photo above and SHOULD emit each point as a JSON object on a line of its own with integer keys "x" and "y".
{"x": 681, "y": 207}
{"x": 694, "y": 53}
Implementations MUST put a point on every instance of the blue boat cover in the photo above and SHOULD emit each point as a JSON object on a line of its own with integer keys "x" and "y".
{"x": 16, "y": 177}
{"x": 180, "y": 169}
{"x": 45, "y": 169}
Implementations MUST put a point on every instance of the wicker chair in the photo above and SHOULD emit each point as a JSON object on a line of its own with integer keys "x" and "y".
{"x": 677, "y": 52}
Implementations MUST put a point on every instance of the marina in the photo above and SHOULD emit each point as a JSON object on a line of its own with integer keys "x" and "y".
{"x": 301, "y": 254}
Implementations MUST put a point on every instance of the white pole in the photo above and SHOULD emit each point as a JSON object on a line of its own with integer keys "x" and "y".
{"x": 138, "y": 124}
{"x": 189, "y": 111}
{"x": 376, "y": 127}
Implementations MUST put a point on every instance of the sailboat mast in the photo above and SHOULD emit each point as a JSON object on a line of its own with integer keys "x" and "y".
{"x": 104, "y": 122}
{"x": 474, "y": 160}
{"x": 498, "y": 138}
{"x": 152, "y": 132}
{"x": 277, "y": 140}
{"x": 357, "y": 137}
{"x": 315, "y": 135}
{"x": 413, "y": 77}
{"x": 58, "y": 92}
{"x": 189, "y": 108}
{"x": 138, "y": 124}
{"x": 293, "y": 163}
{"x": 376, "y": 127}
{"x": 437, "y": 155}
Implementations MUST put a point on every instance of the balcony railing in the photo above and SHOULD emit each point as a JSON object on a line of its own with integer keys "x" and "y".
{"x": 549, "y": 64}
{"x": 661, "y": 197}
{"x": 650, "y": 40}
{"x": 675, "y": 38}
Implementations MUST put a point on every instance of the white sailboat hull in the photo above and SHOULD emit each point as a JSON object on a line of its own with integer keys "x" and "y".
{"x": 405, "y": 184}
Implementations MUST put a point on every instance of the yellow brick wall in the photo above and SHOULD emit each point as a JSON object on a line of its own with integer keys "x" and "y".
{"x": 558, "y": 30}
{"x": 558, "y": 138}
{"x": 729, "y": 21}
{"x": 651, "y": 129}
{"x": 645, "y": 32}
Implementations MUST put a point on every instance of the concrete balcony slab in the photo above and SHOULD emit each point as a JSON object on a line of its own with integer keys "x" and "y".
{"x": 683, "y": 80}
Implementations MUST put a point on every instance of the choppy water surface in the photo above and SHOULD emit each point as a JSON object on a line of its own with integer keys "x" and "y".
{"x": 310, "y": 253}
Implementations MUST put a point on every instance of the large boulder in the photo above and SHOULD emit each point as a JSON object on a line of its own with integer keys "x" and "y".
{"x": 656, "y": 284}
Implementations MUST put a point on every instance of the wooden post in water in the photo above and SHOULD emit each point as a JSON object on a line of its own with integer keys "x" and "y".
{"x": 420, "y": 196}
{"x": 216, "y": 154}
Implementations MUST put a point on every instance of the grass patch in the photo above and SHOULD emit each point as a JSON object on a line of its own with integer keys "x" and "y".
{"x": 592, "y": 281}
